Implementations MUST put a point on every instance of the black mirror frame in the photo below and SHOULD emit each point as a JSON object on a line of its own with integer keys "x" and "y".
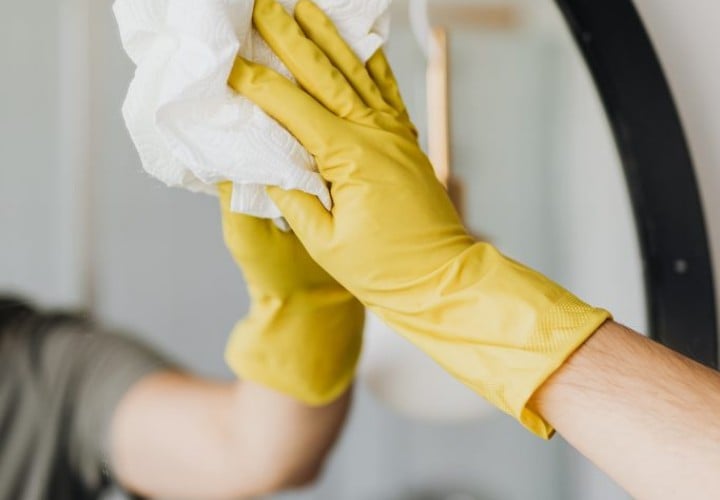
{"x": 659, "y": 172}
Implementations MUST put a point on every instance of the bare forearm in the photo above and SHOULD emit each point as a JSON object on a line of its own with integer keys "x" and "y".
{"x": 641, "y": 412}
{"x": 182, "y": 437}
{"x": 287, "y": 441}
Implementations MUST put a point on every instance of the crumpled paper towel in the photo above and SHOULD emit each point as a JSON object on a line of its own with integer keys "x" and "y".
{"x": 190, "y": 129}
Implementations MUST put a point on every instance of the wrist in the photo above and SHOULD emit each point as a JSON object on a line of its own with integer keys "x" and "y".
{"x": 305, "y": 345}
{"x": 497, "y": 326}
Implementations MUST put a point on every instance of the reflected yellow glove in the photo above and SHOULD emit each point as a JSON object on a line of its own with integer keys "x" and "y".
{"x": 303, "y": 333}
{"x": 393, "y": 237}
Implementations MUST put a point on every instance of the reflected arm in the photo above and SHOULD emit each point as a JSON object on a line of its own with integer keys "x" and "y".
{"x": 177, "y": 436}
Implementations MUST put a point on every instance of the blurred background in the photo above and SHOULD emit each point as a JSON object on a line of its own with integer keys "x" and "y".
{"x": 533, "y": 163}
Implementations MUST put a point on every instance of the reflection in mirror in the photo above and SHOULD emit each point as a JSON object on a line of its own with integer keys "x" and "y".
{"x": 505, "y": 106}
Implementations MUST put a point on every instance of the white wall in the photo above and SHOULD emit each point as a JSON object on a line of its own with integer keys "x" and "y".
{"x": 29, "y": 123}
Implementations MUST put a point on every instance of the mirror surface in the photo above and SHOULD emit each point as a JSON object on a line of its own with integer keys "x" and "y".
{"x": 533, "y": 165}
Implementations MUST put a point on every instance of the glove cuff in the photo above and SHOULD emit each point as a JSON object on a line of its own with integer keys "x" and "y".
{"x": 306, "y": 345}
{"x": 497, "y": 326}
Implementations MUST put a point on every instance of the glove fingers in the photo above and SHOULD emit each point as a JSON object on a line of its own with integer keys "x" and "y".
{"x": 381, "y": 73}
{"x": 308, "y": 64}
{"x": 321, "y": 30}
{"x": 304, "y": 212}
{"x": 283, "y": 101}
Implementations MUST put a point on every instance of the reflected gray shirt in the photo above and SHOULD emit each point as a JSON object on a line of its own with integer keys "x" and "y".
{"x": 59, "y": 385}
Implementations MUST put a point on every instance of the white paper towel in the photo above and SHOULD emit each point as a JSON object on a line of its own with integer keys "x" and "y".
{"x": 190, "y": 129}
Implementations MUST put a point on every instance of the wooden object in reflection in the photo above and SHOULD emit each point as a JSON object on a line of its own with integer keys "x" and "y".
{"x": 439, "y": 118}
{"x": 438, "y": 105}
{"x": 498, "y": 17}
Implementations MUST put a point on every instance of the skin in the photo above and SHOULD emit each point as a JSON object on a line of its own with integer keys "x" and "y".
{"x": 644, "y": 414}
{"x": 641, "y": 412}
{"x": 178, "y": 436}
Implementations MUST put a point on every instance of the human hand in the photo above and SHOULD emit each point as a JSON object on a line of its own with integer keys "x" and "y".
{"x": 393, "y": 237}
{"x": 303, "y": 333}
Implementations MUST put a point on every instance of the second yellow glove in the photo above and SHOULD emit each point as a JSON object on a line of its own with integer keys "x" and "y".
{"x": 303, "y": 333}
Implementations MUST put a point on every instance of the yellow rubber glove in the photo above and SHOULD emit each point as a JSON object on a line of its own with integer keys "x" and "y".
{"x": 303, "y": 333}
{"x": 393, "y": 237}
